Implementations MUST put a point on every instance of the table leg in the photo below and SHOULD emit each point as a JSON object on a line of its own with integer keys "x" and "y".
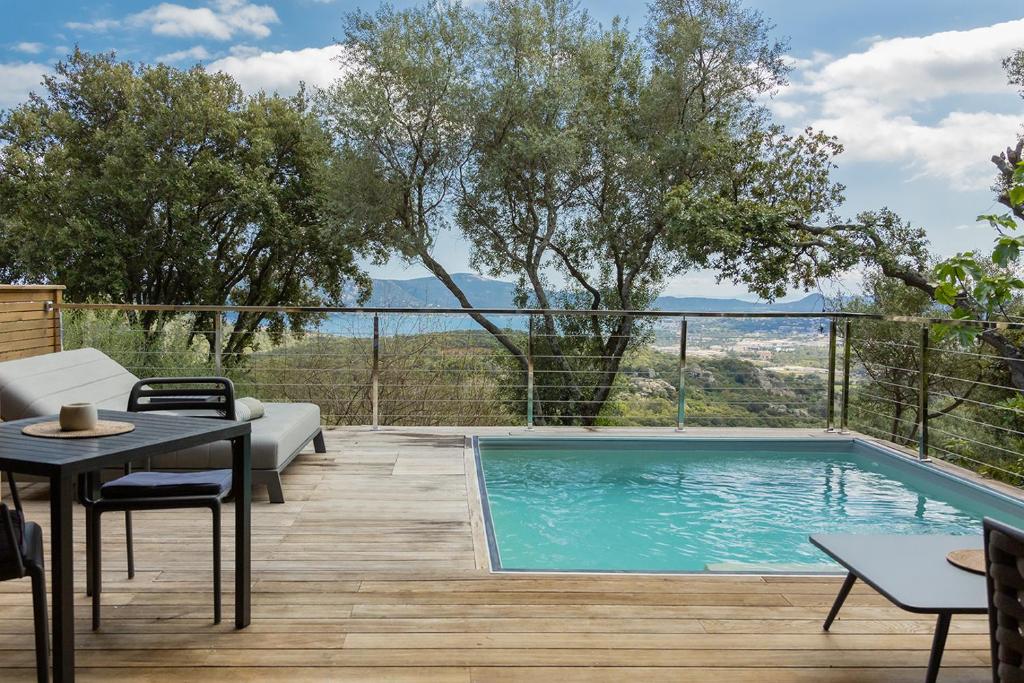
{"x": 241, "y": 485}
{"x": 62, "y": 495}
{"x": 938, "y": 646}
{"x": 844, "y": 591}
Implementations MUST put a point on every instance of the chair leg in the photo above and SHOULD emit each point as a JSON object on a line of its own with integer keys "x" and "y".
{"x": 129, "y": 543}
{"x": 42, "y": 627}
{"x": 128, "y": 528}
{"x": 97, "y": 568}
{"x": 88, "y": 551}
{"x": 318, "y": 442}
{"x": 216, "y": 564}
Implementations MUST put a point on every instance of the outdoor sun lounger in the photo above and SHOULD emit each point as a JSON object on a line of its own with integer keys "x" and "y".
{"x": 40, "y": 385}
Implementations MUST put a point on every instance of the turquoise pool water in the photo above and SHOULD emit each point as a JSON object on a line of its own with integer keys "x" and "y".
{"x": 657, "y": 505}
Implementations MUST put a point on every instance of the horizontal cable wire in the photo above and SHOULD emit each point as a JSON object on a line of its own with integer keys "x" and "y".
{"x": 961, "y": 437}
{"x": 978, "y": 462}
{"x": 888, "y": 418}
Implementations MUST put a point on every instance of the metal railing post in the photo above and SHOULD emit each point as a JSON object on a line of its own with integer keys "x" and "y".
{"x": 218, "y": 344}
{"x": 681, "y": 402}
{"x": 922, "y": 396}
{"x": 844, "y": 413}
{"x": 831, "y": 410}
{"x": 529, "y": 376}
{"x": 375, "y": 376}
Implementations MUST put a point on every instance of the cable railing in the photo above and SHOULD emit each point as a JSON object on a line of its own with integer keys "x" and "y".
{"x": 896, "y": 378}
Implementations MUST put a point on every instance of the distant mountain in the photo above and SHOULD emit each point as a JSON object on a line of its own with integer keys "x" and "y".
{"x": 812, "y": 303}
{"x": 428, "y": 292}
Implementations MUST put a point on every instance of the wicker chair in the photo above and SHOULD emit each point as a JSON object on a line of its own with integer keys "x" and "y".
{"x": 21, "y": 555}
{"x": 1004, "y": 562}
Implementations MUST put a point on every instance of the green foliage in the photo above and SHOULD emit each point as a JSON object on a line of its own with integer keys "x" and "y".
{"x": 740, "y": 222}
{"x": 979, "y": 287}
{"x": 1014, "y": 66}
{"x": 554, "y": 144}
{"x": 152, "y": 185}
{"x": 171, "y": 351}
{"x": 976, "y": 418}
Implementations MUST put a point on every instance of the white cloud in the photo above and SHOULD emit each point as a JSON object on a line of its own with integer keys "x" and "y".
{"x": 873, "y": 100}
{"x": 193, "y": 54}
{"x": 786, "y": 109}
{"x": 918, "y": 69}
{"x": 220, "y": 20}
{"x": 282, "y": 71}
{"x": 816, "y": 58}
{"x": 244, "y": 51}
{"x": 956, "y": 148}
{"x": 17, "y": 79}
{"x": 98, "y": 25}
{"x": 167, "y": 19}
{"x": 30, "y": 48}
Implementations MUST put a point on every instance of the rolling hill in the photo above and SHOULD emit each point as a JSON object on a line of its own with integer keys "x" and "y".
{"x": 428, "y": 292}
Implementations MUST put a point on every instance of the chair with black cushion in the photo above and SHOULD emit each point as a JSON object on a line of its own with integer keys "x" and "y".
{"x": 21, "y": 555}
{"x": 1004, "y": 572}
{"x": 211, "y": 397}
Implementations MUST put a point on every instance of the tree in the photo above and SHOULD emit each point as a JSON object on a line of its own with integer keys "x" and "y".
{"x": 551, "y": 145}
{"x": 887, "y": 353}
{"x": 152, "y": 185}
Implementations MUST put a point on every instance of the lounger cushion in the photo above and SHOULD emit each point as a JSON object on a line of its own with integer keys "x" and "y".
{"x": 168, "y": 484}
{"x": 276, "y": 436}
{"x": 40, "y": 385}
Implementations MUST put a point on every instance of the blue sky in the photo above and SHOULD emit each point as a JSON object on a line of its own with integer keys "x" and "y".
{"x": 913, "y": 88}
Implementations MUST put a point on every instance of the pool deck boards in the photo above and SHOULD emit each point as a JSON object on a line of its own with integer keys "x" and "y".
{"x": 375, "y": 570}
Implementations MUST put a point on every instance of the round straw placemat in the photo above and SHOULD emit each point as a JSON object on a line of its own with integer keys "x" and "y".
{"x": 52, "y": 430}
{"x": 971, "y": 560}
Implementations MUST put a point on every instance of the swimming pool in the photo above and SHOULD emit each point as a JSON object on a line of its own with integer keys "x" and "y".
{"x": 709, "y": 504}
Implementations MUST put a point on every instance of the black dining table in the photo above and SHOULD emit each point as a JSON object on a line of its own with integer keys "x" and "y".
{"x": 62, "y": 461}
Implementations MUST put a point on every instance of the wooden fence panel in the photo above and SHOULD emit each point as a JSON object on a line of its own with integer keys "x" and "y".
{"x": 29, "y": 320}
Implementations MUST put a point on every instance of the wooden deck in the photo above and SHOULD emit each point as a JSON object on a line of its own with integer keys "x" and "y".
{"x": 374, "y": 570}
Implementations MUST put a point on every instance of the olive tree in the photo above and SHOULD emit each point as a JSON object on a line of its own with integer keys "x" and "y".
{"x": 552, "y": 145}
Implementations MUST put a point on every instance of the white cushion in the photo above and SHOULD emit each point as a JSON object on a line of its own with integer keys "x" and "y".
{"x": 40, "y": 385}
{"x": 277, "y": 435}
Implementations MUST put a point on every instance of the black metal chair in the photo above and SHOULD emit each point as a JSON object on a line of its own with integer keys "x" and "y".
{"x": 161, "y": 490}
{"x": 21, "y": 555}
{"x": 1004, "y": 572}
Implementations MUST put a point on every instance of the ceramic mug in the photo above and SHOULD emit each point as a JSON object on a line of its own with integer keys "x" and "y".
{"x": 77, "y": 417}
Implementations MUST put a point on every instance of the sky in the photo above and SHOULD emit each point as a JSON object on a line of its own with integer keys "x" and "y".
{"x": 912, "y": 88}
